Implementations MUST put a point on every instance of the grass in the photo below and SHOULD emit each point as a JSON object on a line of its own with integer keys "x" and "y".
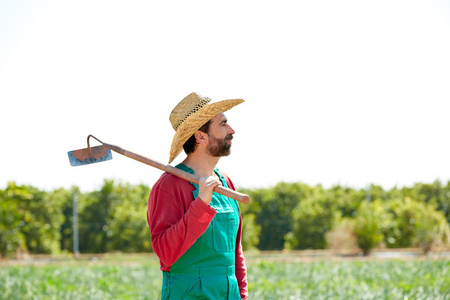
{"x": 83, "y": 281}
{"x": 351, "y": 280}
{"x": 119, "y": 278}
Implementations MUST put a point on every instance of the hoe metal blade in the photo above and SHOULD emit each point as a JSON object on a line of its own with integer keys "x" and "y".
{"x": 89, "y": 155}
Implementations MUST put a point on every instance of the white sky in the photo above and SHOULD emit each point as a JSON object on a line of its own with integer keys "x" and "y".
{"x": 337, "y": 92}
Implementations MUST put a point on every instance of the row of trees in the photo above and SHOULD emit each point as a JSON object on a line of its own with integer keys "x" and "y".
{"x": 111, "y": 219}
{"x": 298, "y": 216}
{"x": 286, "y": 216}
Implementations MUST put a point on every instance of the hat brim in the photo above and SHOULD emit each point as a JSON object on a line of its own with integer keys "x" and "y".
{"x": 195, "y": 121}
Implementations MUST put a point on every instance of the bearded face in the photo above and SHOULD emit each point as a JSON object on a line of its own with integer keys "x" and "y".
{"x": 219, "y": 147}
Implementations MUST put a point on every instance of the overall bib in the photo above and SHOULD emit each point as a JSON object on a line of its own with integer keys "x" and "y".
{"x": 206, "y": 270}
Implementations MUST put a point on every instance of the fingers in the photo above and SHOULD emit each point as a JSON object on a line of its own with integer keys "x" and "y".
{"x": 206, "y": 187}
{"x": 209, "y": 181}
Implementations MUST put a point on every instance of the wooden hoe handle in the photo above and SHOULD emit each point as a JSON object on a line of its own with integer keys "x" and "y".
{"x": 243, "y": 198}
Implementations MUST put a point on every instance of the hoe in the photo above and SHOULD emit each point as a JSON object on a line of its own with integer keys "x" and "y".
{"x": 101, "y": 153}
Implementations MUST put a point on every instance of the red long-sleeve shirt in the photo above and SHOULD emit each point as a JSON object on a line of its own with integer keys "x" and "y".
{"x": 176, "y": 220}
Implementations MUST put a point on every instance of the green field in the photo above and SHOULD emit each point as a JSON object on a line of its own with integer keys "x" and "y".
{"x": 140, "y": 278}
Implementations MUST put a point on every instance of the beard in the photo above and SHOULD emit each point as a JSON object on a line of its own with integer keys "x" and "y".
{"x": 219, "y": 147}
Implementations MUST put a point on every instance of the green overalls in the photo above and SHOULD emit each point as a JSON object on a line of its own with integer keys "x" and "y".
{"x": 206, "y": 270}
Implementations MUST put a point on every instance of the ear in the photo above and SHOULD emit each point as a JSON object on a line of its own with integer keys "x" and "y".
{"x": 201, "y": 137}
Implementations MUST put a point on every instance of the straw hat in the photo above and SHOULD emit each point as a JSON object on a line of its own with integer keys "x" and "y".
{"x": 191, "y": 114}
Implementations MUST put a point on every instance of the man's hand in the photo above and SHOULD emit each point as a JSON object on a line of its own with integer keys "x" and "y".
{"x": 205, "y": 188}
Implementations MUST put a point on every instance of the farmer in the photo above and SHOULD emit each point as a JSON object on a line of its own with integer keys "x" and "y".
{"x": 196, "y": 232}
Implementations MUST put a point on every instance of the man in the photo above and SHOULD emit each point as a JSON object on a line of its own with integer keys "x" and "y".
{"x": 196, "y": 232}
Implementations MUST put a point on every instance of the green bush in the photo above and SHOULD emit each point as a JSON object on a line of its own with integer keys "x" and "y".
{"x": 312, "y": 219}
{"x": 40, "y": 219}
{"x": 11, "y": 238}
{"x": 416, "y": 224}
{"x": 272, "y": 208}
{"x": 370, "y": 223}
{"x": 114, "y": 219}
{"x": 250, "y": 232}
{"x": 128, "y": 224}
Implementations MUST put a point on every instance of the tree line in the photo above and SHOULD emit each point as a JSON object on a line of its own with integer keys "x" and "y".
{"x": 285, "y": 216}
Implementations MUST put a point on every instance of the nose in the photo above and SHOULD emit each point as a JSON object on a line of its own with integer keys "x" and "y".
{"x": 230, "y": 130}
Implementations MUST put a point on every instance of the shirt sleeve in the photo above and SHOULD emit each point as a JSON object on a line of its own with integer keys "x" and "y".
{"x": 175, "y": 221}
{"x": 240, "y": 268}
